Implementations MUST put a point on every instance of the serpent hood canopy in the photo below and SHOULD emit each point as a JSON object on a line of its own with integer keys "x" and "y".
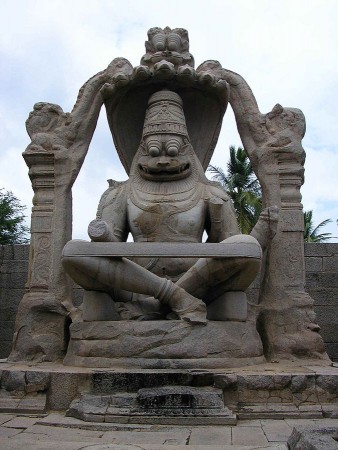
{"x": 165, "y": 66}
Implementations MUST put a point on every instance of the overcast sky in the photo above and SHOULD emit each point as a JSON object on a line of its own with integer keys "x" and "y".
{"x": 286, "y": 51}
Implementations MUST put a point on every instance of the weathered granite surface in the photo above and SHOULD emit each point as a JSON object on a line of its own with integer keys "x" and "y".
{"x": 308, "y": 438}
{"x": 263, "y": 391}
{"x": 55, "y": 430}
{"x": 174, "y": 405}
{"x": 13, "y": 277}
{"x": 320, "y": 271}
{"x": 166, "y": 205}
{"x": 321, "y": 282}
{"x": 163, "y": 344}
{"x": 284, "y": 313}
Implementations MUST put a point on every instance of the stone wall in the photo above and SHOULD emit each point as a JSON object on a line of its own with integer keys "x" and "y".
{"x": 321, "y": 282}
{"x": 321, "y": 262}
{"x": 13, "y": 276}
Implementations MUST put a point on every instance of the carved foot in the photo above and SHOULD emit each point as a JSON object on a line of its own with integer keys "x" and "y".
{"x": 187, "y": 307}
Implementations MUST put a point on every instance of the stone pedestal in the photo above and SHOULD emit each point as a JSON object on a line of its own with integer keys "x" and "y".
{"x": 163, "y": 344}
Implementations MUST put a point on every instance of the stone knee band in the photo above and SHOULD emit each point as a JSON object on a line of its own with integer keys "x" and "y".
{"x": 165, "y": 292}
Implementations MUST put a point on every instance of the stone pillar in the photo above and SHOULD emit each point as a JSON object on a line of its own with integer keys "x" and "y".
{"x": 59, "y": 145}
{"x": 40, "y": 323}
{"x": 287, "y": 319}
{"x": 273, "y": 141}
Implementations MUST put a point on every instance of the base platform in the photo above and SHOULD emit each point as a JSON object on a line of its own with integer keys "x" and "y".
{"x": 165, "y": 344}
{"x": 285, "y": 389}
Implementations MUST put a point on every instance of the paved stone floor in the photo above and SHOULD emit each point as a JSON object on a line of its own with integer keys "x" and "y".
{"x": 54, "y": 431}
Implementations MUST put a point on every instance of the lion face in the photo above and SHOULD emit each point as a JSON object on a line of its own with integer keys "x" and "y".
{"x": 164, "y": 157}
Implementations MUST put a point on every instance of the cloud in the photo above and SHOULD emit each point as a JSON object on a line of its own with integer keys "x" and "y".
{"x": 285, "y": 50}
{"x": 319, "y": 192}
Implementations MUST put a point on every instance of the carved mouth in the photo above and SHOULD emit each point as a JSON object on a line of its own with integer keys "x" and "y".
{"x": 165, "y": 173}
{"x": 166, "y": 55}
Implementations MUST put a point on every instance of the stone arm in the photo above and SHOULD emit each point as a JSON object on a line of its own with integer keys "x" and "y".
{"x": 275, "y": 130}
{"x": 243, "y": 103}
{"x": 78, "y": 128}
{"x": 241, "y": 97}
{"x": 268, "y": 138}
{"x": 86, "y": 110}
{"x": 221, "y": 216}
{"x": 111, "y": 224}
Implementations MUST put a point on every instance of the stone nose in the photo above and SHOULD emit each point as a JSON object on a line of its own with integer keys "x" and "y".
{"x": 163, "y": 161}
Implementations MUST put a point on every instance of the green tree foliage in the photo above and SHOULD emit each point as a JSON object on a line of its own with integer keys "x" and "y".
{"x": 312, "y": 232}
{"x": 242, "y": 186}
{"x": 12, "y": 228}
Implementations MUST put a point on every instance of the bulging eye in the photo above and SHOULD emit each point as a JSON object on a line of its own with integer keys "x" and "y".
{"x": 172, "y": 147}
{"x": 159, "y": 41}
{"x": 154, "y": 147}
{"x": 172, "y": 151}
{"x": 174, "y": 42}
{"x": 154, "y": 151}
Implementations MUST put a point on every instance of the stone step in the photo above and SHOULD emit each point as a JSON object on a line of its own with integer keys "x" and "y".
{"x": 22, "y": 403}
{"x": 165, "y": 405}
{"x": 279, "y": 411}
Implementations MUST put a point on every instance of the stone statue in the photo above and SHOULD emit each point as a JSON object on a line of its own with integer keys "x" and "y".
{"x": 165, "y": 117}
{"x": 167, "y": 199}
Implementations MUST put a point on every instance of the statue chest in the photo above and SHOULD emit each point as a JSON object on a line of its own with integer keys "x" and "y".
{"x": 167, "y": 222}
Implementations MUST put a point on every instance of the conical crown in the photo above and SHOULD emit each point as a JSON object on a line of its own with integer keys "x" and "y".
{"x": 165, "y": 114}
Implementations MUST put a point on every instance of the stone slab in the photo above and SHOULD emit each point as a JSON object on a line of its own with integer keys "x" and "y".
{"x": 29, "y": 443}
{"x": 249, "y": 436}
{"x": 277, "y": 411}
{"x": 276, "y": 430}
{"x": 210, "y": 436}
{"x": 22, "y": 422}
{"x": 163, "y": 344}
{"x": 6, "y": 418}
{"x": 9, "y": 432}
{"x": 158, "y": 249}
{"x": 167, "y": 420}
{"x": 33, "y": 404}
{"x": 174, "y": 437}
{"x": 64, "y": 433}
{"x": 59, "y": 419}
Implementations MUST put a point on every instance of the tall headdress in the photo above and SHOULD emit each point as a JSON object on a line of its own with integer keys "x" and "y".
{"x": 165, "y": 114}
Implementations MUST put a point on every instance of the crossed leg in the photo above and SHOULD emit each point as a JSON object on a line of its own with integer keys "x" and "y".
{"x": 104, "y": 274}
{"x": 207, "y": 279}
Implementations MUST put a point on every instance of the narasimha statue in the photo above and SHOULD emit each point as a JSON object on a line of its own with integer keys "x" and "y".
{"x": 141, "y": 298}
{"x": 166, "y": 199}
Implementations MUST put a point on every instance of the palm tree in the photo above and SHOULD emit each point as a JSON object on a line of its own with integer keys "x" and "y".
{"x": 242, "y": 186}
{"x": 311, "y": 233}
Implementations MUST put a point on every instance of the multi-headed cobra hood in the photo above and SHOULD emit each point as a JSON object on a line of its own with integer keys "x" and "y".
{"x": 166, "y": 65}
